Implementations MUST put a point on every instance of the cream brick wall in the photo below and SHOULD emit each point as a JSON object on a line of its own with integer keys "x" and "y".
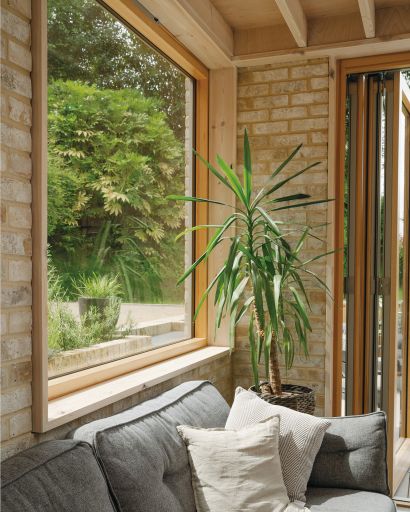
{"x": 16, "y": 265}
{"x": 15, "y": 222}
{"x": 282, "y": 106}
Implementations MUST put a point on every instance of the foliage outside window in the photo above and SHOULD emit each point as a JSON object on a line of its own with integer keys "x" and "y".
{"x": 119, "y": 139}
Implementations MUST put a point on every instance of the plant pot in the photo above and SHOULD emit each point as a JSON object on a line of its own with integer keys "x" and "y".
{"x": 98, "y": 304}
{"x": 298, "y": 398}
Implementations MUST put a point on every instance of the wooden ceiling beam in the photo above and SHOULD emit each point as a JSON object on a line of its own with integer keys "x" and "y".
{"x": 368, "y": 14}
{"x": 340, "y": 36}
{"x": 199, "y": 26}
{"x": 295, "y": 19}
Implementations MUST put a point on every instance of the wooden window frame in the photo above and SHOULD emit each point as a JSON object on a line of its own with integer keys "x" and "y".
{"x": 346, "y": 67}
{"x": 42, "y": 388}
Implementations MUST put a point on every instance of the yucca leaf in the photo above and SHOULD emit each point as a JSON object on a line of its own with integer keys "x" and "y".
{"x": 196, "y": 228}
{"x": 280, "y": 184}
{"x": 214, "y": 171}
{"x": 314, "y": 276}
{"x": 301, "y": 241}
{"x": 288, "y": 346}
{"x": 271, "y": 305}
{"x": 206, "y": 293}
{"x": 263, "y": 192}
{"x": 286, "y": 161}
{"x": 244, "y": 309}
{"x": 233, "y": 180}
{"x": 175, "y": 197}
{"x": 299, "y": 205}
{"x": 292, "y": 197}
{"x": 299, "y": 306}
{"x": 229, "y": 262}
{"x": 301, "y": 336}
{"x": 211, "y": 245}
{"x": 277, "y": 281}
{"x": 318, "y": 257}
{"x": 247, "y": 171}
{"x": 236, "y": 295}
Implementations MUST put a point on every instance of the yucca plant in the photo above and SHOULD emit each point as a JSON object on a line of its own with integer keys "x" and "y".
{"x": 263, "y": 274}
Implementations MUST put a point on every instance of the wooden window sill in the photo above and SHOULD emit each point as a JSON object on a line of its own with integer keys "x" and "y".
{"x": 66, "y": 384}
{"x": 79, "y": 403}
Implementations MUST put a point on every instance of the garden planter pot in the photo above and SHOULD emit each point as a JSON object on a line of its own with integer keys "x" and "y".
{"x": 99, "y": 304}
{"x": 298, "y": 398}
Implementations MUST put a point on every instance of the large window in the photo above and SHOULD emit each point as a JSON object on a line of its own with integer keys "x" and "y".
{"x": 120, "y": 138}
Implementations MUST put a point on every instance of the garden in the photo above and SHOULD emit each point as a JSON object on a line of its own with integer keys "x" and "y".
{"x": 116, "y": 149}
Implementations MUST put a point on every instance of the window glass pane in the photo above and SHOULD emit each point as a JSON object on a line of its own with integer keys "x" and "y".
{"x": 120, "y": 125}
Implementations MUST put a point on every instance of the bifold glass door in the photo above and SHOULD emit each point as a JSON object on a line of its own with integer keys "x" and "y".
{"x": 377, "y": 191}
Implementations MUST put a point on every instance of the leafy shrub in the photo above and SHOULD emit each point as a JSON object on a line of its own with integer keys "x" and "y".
{"x": 65, "y": 332}
{"x": 112, "y": 160}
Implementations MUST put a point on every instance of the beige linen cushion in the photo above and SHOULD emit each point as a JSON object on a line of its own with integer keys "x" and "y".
{"x": 236, "y": 471}
{"x": 300, "y": 437}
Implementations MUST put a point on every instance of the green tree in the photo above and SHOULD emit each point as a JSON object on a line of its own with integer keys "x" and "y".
{"x": 112, "y": 160}
{"x": 88, "y": 43}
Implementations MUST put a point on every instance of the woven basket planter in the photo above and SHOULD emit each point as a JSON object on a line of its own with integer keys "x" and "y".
{"x": 298, "y": 398}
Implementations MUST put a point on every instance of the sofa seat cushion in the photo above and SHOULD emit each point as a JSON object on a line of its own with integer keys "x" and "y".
{"x": 142, "y": 455}
{"x": 55, "y": 475}
{"x": 325, "y": 499}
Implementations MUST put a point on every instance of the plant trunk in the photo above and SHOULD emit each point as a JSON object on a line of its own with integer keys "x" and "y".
{"x": 275, "y": 384}
{"x": 274, "y": 373}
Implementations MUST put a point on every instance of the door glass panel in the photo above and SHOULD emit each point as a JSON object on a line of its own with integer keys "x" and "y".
{"x": 402, "y": 271}
{"x": 379, "y": 250}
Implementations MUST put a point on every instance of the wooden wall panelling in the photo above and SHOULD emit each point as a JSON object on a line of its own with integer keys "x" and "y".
{"x": 222, "y": 141}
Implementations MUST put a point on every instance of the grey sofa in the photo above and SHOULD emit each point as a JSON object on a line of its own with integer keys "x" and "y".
{"x": 135, "y": 461}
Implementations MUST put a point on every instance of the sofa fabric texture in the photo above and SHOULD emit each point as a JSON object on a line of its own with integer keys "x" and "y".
{"x": 353, "y": 454}
{"x": 236, "y": 470}
{"x": 299, "y": 442}
{"x": 146, "y": 464}
{"x": 143, "y": 457}
{"x": 54, "y": 476}
{"x": 347, "y": 500}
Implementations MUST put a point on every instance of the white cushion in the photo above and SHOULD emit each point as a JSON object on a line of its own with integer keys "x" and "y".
{"x": 236, "y": 471}
{"x": 300, "y": 438}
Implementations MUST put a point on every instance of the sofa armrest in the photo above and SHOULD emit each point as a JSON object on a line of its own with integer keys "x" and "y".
{"x": 353, "y": 454}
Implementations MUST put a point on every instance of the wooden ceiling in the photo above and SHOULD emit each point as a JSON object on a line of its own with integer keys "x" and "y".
{"x": 223, "y": 33}
{"x": 242, "y": 14}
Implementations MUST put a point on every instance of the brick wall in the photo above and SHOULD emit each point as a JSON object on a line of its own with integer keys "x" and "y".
{"x": 282, "y": 106}
{"x": 16, "y": 265}
{"x": 15, "y": 220}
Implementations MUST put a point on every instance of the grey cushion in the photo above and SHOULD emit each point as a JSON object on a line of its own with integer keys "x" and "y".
{"x": 56, "y": 475}
{"x": 144, "y": 458}
{"x": 347, "y": 500}
{"x": 353, "y": 454}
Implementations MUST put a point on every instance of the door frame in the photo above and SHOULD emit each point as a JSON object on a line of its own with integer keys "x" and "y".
{"x": 344, "y": 68}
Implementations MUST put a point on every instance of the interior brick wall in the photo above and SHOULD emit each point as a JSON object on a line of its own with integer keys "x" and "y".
{"x": 282, "y": 106}
{"x": 15, "y": 221}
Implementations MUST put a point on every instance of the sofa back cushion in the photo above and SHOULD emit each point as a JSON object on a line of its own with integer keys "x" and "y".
{"x": 142, "y": 455}
{"x": 55, "y": 475}
{"x": 353, "y": 454}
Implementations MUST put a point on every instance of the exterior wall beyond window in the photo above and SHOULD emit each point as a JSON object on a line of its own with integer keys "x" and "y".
{"x": 284, "y": 105}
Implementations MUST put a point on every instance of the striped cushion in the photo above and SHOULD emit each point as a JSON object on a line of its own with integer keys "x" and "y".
{"x": 300, "y": 437}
